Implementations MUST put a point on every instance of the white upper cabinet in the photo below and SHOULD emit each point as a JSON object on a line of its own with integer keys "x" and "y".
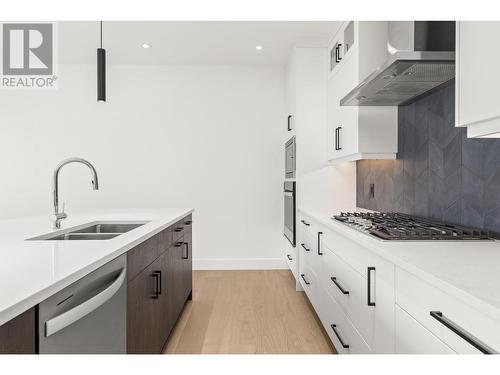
{"x": 306, "y": 76}
{"x": 355, "y": 133}
{"x": 476, "y": 96}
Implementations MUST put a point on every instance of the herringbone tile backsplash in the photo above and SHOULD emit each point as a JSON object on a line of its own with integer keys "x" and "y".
{"x": 439, "y": 173}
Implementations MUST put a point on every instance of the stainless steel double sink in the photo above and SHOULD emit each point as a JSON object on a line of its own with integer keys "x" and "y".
{"x": 98, "y": 230}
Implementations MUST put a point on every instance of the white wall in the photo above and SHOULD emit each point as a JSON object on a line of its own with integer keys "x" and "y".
{"x": 190, "y": 136}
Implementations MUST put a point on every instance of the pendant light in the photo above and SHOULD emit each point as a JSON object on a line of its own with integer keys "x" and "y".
{"x": 101, "y": 72}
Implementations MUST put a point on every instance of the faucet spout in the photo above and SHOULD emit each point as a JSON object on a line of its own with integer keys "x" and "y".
{"x": 58, "y": 216}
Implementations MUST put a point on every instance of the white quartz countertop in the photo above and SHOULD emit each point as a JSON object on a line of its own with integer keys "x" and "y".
{"x": 468, "y": 270}
{"x": 31, "y": 271}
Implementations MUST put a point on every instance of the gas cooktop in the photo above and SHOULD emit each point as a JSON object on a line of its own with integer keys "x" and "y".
{"x": 396, "y": 226}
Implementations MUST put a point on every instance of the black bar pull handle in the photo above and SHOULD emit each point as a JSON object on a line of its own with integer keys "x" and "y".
{"x": 188, "y": 222}
{"x": 475, "y": 342}
{"x": 339, "y": 147}
{"x": 289, "y": 123}
{"x": 369, "y": 286}
{"x": 156, "y": 291}
{"x": 319, "y": 243}
{"x": 334, "y": 279}
{"x": 305, "y": 223}
{"x": 187, "y": 251}
{"x": 303, "y": 278}
{"x": 179, "y": 229}
{"x": 336, "y": 139}
{"x": 344, "y": 345}
{"x": 289, "y": 257}
{"x": 304, "y": 246}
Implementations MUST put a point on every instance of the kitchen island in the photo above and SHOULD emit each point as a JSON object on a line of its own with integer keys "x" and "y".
{"x": 33, "y": 270}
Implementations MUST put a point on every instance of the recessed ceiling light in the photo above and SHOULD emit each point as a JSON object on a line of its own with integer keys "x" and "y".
{"x": 259, "y": 47}
{"x": 146, "y": 45}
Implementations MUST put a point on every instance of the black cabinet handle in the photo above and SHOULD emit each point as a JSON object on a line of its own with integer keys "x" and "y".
{"x": 482, "y": 347}
{"x": 319, "y": 243}
{"x": 178, "y": 229}
{"x": 305, "y": 223}
{"x": 369, "y": 286}
{"x": 157, "y": 288}
{"x": 187, "y": 251}
{"x": 338, "y": 58}
{"x": 289, "y": 121}
{"x": 188, "y": 222}
{"x": 336, "y": 139}
{"x": 303, "y": 278}
{"x": 289, "y": 257}
{"x": 344, "y": 345}
{"x": 339, "y": 147}
{"x": 334, "y": 279}
{"x": 178, "y": 244}
{"x": 304, "y": 246}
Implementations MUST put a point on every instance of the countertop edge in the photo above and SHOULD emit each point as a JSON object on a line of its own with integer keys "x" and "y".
{"x": 31, "y": 301}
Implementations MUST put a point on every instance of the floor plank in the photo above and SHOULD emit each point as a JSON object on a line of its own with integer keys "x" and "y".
{"x": 247, "y": 312}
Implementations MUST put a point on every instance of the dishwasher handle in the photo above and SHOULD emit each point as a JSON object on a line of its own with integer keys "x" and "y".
{"x": 76, "y": 313}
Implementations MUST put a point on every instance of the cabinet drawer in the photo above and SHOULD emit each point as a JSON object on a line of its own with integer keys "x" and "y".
{"x": 349, "y": 289}
{"x": 307, "y": 279}
{"x": 177, "y": 230}
{"x": 343, "y": 335}
{"x": 141, "y": 256}
{"x": 307, "y": 225}
{"x": 413, "y": 338}
{"x": 291, "y": 260}
{"x": 420, "y": 298}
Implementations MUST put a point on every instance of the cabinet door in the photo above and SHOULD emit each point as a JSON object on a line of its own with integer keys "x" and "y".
{"x": 342, "y": 126}
{"x": 175, "y": 283}
{"x": 477, "y": 84}
{"x": 143, "y": 312}
{"x": 187, "y": 259}
{"x": 17, "y": 336}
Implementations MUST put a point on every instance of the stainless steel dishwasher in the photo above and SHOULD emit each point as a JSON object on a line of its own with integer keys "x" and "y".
{"x": 89, "y": 316}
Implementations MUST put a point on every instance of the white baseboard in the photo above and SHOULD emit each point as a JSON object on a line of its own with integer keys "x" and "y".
{"x": 239, "y": 264}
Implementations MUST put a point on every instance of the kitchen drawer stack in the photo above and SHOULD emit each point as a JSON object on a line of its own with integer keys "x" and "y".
{"x": 367, "y": 304}
{"x": 160, "y": 282}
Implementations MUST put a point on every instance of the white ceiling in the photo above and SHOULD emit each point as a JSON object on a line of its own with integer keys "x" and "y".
{"x": 186, "y": 42}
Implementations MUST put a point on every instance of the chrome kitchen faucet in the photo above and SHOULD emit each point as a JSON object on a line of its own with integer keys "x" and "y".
{"x": 58, "y": 216}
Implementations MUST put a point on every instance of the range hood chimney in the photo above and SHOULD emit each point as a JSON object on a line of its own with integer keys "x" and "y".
{"x": 420, "y": 57}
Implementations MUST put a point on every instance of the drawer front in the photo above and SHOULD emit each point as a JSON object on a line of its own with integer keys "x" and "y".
{"x": 142, "y": 256}
{"x": 291, "y": 260}
{"x": 414, "y": 338}
{"x": 307, "y": 279}
{"x": 177, "y": 230}
{"x": 307, "y": 225}
{"x": 306, "y": 250}
{"x": 349, "y": 289}
{"x": 420, "y": 298}
{"x": 343, "y": 335}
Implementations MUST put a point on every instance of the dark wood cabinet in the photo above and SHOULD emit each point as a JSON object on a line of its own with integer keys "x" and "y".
{"x": 187, "y": 264}
{"x": 156, "y": 296}
{"x": 17, "y": 336}
{"x": 143, "y": 313}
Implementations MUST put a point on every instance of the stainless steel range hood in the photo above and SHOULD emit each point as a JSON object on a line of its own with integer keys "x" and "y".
{"x": 420, "y": 57}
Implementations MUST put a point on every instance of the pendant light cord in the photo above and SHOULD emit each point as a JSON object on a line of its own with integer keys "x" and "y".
{"x": 101, "y": 34}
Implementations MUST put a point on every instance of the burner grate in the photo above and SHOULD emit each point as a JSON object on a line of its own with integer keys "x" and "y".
{"x": 397, "y": 226}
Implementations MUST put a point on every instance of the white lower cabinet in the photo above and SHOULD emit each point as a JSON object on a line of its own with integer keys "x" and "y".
{"x": 367, "y": 304}
{"x": 414, "y": 338}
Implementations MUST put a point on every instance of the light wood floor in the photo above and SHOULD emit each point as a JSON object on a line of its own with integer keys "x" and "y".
{"x": 247, "y": 312}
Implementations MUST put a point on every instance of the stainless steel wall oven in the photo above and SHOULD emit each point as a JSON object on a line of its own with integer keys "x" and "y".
{"x": 289, "y": 200}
